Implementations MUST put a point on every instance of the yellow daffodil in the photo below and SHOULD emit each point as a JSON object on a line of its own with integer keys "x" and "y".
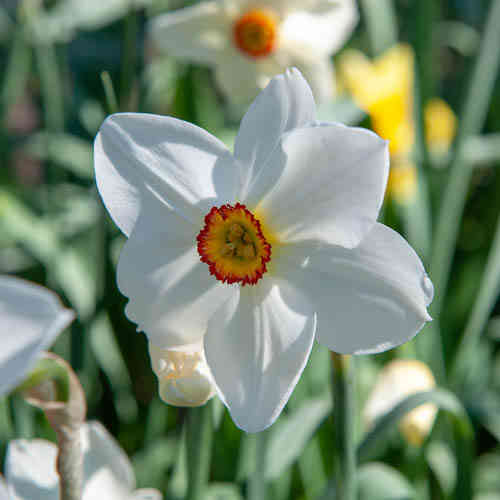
{"x": 384, "y": 88}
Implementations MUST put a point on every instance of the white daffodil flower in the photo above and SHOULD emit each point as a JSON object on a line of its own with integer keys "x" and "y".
{"x": 31, "y": 317}
{"x": 248, "y": 42}
{"x": 256, "y": 253}
{"x": 30, "y": 469}
{"x": 398, "y": 380}
{"x": 184, "y": 378}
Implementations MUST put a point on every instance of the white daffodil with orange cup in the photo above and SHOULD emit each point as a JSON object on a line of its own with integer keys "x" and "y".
{"x": 249, "y": 42}
{"x": 252, "y": 255}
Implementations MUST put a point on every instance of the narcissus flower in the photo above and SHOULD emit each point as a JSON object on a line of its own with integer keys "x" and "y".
{"x": 31, "y": 317}
{"x": 30, "y": 469}
{"x": 398, "y": 380}
{"x": 251, "y": 41}
{"x": 384, "y": 88}
{"x": 257, "y": 253}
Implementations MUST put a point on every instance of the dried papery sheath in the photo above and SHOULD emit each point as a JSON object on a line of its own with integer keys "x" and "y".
{"x": 66, "y": 418}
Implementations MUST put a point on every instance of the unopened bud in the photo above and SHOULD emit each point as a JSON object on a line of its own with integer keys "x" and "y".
{"x": 398, "y": 380}
{"x": 184, "y": 378}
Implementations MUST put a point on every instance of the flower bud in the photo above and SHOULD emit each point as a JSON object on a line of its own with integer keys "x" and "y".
{"x": 184, "y": 378}
{"x": 399, "y": 379}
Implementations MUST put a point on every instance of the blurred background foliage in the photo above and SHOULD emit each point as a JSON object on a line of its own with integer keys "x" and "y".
{"x": 65, "y": 64}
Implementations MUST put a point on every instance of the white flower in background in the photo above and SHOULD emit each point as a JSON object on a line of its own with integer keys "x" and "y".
{"x": 398, "y": 380}
{"x": 31, "y": 317}
{"x": 254, "y": 254}
{"x": 251, "y": 41}
{"x": 30, "y": 469}
{"x": 184, "y": 378}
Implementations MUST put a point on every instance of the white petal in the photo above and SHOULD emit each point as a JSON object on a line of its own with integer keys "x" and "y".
{"x": 331, "y": 185}
{"x": 108, "y": 472}
{"x": 285, "y": 104}
{"x": 30, "y": 470}
{"x": 257, "y": 345}
{"x": 31, "y": 317}
{"x": 139, "y": 156}
{"x": 368, "y": 299}
{"x": 198, "y": 33}
{"x": 323, "y": 28}
{"x": 4, "y": 494}
{"x": 172, "y": 294}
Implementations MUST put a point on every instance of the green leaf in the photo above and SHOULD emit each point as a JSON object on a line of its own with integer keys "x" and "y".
{"x": 377, "y": 481}
{"x": 443, "y": 399}
{"x": 292, "y": 432}
{"x": 222, "y": 491}
{"x": 486, "y": 409}
{"x": 381, "y": 24}
{"x": 459, "y": 36}
{"x": 485, "y": 301}
{"x": 442, "y": 462}
{"x": 65, "y": 150}
{"x": 110, "y": 359}
{"x": 21, "y": 224}
{"x": 75, "y": 277}
{"x": 487, "y": 477}
{"x": 342, "y": 110}
{"x": 151, "y": 463}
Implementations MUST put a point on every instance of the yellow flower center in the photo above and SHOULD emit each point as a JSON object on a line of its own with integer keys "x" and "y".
{"x": 255, "y": 33}
{"x": 233, "y": 245}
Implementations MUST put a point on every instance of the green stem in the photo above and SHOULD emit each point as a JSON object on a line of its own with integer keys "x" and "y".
{"x": 17, "y": 71}
{"x": 344, "y": 421}
{"x": 51, "y": 86}
{"x": 199, "y": 450}
{"x": 109, "y": 92}
{"x": 381, "y": 24}
{"x": 129, "y": 59}
{"x": 472, "y": 119}
{"x": 257, "y": 484}
{"x": 485, "y": 301}
{"x": 426, "y": 14}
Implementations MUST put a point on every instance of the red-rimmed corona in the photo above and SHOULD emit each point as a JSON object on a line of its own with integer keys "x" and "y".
{"x": 233, "y": 245}
{"x": 256, "y": 32}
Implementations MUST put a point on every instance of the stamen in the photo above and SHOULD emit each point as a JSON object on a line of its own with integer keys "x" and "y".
{"x": 255, "y": 33}
{"x": 233, "y": 246}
